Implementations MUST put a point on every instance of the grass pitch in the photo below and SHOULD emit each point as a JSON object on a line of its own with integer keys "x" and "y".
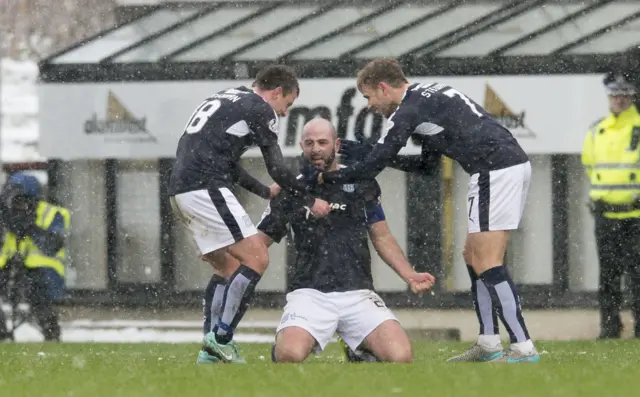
{"x": 112, "y": 370}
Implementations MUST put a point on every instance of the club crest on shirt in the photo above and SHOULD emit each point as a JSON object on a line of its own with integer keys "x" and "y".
{"x": 349, "y": 188}
{"x": 273, "y": 126}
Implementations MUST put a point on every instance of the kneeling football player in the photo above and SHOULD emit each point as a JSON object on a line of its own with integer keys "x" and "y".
{"x": 331, "y": 287}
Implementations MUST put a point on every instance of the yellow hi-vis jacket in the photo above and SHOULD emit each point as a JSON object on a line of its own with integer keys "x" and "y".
{"x": 611, "y": 157}
{"x": 33, "y": 257}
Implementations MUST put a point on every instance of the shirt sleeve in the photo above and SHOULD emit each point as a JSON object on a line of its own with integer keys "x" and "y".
{"x": 249, "y": 183}
{"x": 263, "y": 121}
{"x": 587, "y": 149}
{"x": 400, "y": 126}
{"x": 51, "y": 240}
{"x": 426, "y": 163}
{"x": 274, "y": 161}
{"x": 373, "y": 206}
{"x": 57, "y": 224}
{"x": 264, "y": 124}
{"x": 275, "y": 218}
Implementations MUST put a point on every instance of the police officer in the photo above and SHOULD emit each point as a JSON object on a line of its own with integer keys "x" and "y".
{"x": 611, "y": 157}
{"x": 34, "y": 234}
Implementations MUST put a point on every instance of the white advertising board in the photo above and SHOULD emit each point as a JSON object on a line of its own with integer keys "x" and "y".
{"x": 547, "y": 114}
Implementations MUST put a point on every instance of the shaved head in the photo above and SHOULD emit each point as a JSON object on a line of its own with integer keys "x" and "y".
{"x": 319, "y": 125}
{"x": 320, "y": 143}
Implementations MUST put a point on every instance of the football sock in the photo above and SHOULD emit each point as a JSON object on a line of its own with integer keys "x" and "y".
{"x": 212, "y": 301}
{"x": 506, "y": 300}
{"x": 487, "y": 317}
{"x": 237, "y": 296}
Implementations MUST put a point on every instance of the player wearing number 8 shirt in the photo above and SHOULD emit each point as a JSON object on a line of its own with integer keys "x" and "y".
{"x": 221, "y": 129}
{"x": 447, "y": 122}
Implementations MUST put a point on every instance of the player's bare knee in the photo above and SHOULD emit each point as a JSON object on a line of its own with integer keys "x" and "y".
{"x": 488, "y": 249}
{"x": 398, "y": 348}
{"x": 259, "y": 262}
{"x": 467, "y": 255}
{"x": 251, "y": 252}
{"x": 290, "y": 350}
{"x": 222, "y": 263}
{"x": 214, "y": 258}
{"x": 290, "y": 353}
{"x": 293, "y": 345}
{"x": 262, "y": 260}
{"x": 401, "y": 354}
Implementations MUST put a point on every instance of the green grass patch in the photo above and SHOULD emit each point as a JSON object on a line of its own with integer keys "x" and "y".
{"x": 112, "y": 370}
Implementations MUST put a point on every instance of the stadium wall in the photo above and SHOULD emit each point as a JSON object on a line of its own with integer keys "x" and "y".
{"x": 111, "y": 146}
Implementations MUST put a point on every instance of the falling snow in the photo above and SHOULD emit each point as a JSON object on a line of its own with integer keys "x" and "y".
{"x": 542, "y": 80}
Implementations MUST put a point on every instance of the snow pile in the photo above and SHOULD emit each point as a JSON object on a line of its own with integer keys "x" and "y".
{"x": 28, "y": 333}
{"x": 128, "y": 331}
{"x": 19, "y": 111}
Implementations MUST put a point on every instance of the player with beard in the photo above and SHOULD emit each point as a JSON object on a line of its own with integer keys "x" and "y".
{"x": 330, "y": 285}
{"x": 449, "y": 123}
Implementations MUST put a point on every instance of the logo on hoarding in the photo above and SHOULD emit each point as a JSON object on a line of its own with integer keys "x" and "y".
{"x": 367, "y": 124}
{"x": 119, "y": 124}
{"x": 496, "y": 107}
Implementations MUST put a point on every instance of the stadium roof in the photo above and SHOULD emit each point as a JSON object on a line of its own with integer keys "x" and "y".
{"x": 234, "y": 34}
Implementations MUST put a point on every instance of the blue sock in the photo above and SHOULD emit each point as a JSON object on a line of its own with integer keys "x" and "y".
{"x": 506, "y": 301}
{"x": 212, "y": 302}
{"x": 482, "y": 302}
{"x": 237, "y": 296}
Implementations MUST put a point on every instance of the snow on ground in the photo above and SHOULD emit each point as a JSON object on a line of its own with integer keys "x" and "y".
{"x": 117, "y": 331}
{"x": 138, "y": 331}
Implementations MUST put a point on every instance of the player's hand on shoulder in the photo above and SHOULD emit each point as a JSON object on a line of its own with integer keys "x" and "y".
{"x": 274, "y": 190}
{"x": 421, "y": 282}
{"x": 354, "y": 151}
{"x": 320, "y": 208}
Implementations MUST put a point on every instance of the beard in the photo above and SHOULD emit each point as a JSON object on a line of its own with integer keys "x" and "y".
{"x": 327, "y": 159}
{"x": 386, "y": 110}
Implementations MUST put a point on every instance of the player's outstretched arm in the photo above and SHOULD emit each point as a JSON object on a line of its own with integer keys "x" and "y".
{"x": 425, "y": 163}
{"x": 399, "y": 128}
{"x": 249, "y": 183}
{"x": 367, "y": 169}
{"x": 389, "y": 250}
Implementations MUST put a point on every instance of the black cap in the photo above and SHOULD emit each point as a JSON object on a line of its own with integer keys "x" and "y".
{"x": 619, "y": 84}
